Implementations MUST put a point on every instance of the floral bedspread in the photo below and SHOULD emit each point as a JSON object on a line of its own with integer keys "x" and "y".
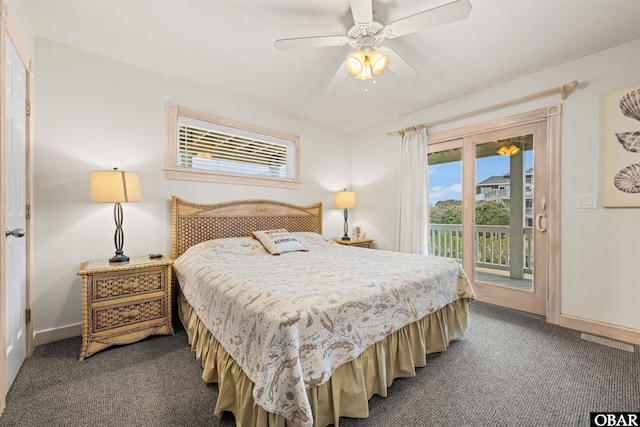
{"x": 290, "y": 320}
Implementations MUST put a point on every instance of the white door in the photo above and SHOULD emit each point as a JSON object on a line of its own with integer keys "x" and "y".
{"x": 15, "y": 178}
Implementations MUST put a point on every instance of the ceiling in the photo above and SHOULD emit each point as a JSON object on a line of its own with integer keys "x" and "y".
{"x": 229, "y": 45}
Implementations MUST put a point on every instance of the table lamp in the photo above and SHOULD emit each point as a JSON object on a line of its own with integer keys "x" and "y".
{"x": 116, "y": 187}
{"x": 344, "y": 200}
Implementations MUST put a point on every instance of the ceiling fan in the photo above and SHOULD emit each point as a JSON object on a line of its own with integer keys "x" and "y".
{"x": 366, "y": 36}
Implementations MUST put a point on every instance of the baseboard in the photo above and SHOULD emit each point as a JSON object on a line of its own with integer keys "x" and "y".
{"x": 608, "y": 330}
{"x": 56, "y": 334}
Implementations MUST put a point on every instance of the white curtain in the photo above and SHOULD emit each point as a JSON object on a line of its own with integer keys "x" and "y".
{"x": 413, "y": 221}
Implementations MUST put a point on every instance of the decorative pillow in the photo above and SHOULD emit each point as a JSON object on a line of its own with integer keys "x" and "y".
{"x": 278, "y": 241}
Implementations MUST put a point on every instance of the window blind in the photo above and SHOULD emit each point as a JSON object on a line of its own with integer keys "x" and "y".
{"x": 210, "y": 146}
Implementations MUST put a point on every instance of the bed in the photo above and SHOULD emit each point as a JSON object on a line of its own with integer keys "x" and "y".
{"x": 309, "y": 336}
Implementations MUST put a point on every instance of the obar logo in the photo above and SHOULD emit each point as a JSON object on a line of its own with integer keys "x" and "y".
{"x": 628, "y": 419}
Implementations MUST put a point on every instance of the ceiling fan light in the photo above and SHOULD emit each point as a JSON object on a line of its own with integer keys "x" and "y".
{"x": 510, "y": 150}
{"x": 356, "y": 62}
{"x": 365, "y": 73}
{"x": 378, "y": 62}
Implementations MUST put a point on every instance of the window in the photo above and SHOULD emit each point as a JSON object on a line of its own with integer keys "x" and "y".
{"x": 205, "y": 147}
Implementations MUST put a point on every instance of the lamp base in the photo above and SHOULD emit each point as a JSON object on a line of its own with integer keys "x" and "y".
{"x": 118, "y": 238}
{"x": 119, "y": 258}
{"x": 346, "y": 226}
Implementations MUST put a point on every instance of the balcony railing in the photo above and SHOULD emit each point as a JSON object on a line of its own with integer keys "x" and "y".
{"x": 491, "y": 245}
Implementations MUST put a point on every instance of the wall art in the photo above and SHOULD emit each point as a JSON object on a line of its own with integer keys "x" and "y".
{"x": 621, "y": 148}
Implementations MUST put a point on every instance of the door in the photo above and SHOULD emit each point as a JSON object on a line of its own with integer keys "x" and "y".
{"x": 506, "y": 188}
{"x": 488, "y": 193}
{"x": 15, "y": 214}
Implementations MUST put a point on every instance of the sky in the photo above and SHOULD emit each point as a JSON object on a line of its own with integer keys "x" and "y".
{"x": 445, "y": 179}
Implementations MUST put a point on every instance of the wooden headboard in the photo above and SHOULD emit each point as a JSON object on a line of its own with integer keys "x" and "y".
{"x": 192, "y": 223}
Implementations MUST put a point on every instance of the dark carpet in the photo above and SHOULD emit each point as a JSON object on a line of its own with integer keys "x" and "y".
{"x": 508, "y": 370}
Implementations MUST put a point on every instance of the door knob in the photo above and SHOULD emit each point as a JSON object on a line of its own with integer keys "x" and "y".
{"x": 541, "y": 222}
{"x": 541, "y": 218}
{"x": 17, "y": 232}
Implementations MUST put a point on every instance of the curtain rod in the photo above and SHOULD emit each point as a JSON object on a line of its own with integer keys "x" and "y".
{"x": 564, "y": 90}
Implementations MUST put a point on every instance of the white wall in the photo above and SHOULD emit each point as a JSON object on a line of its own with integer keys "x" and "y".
{"x": 93, "y": 113}
{"x": 600, "y": 256}
{"x": 376, "y": 159}
{"x": 19, "y": 16}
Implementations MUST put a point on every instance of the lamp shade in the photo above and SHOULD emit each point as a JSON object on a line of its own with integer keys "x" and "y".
{"x": 378, "y": 62}
{"x": 345, "y": 199}
{"x": 115, "y": 187}
{"x": 355, "y": 62}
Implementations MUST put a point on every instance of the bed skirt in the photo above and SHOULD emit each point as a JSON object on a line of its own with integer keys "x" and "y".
{"x": 347, "y": 392}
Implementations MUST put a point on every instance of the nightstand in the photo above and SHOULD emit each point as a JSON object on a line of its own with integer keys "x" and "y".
{"x": 124, "y": 302}
{"x": 361, "y": 243}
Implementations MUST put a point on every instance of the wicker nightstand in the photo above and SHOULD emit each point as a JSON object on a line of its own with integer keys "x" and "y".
{"x": 124, "y": 302}
{"x": 361, "y": 243}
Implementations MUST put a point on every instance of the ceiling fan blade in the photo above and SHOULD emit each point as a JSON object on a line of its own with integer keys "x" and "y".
{"x": 305, "y": 42}
{"x": 397, "y": 65}
{"x": 450, "y": 12}
{"x": 362, "y": 11}
{"x": 338, "y": 78}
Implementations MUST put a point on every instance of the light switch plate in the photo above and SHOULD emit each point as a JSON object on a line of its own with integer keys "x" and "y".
{"x": 586, "y": 201}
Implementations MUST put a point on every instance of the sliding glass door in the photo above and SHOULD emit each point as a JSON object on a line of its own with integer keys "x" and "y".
{"x": 487, "y": 195}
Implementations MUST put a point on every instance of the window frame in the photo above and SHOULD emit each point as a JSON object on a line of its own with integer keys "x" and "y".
{"x": 173, "y": 171}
